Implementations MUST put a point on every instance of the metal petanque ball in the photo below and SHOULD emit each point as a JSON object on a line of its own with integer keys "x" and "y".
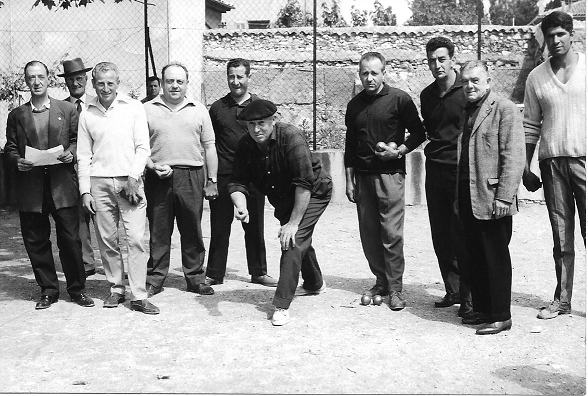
{"x": 377, "y": 300}
{"x": 365, "y": 300}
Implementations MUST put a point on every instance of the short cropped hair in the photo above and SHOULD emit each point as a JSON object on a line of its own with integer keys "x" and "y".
{"x": 236, "y": 62}
{"x": 178, "y": 64}
{"x": 153, "y": 78}
{"x": 557, "y": 19}
{"x": 373, "y": 55}
{"x": 472, "y": 64}
{"x": 35, "y": 62}
{"x": 440, "y": 42}
{"x": 104, "y": 67}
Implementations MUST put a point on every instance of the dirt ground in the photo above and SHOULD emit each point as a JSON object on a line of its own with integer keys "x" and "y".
{"x": 225, "y": 343}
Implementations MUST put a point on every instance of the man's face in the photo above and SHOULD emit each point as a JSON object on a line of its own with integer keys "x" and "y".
{"x": 175, "y": 84}
{"x": 106, "y": 84}
{"x": 558, "y": 41}
{"x": 440, "y": 63}
{"x": 36, "y": 79}
{"x": 371, "y": 74}
{"x": 76, "y": 84}
{"x": 153, "y": 88}
{"x": 475, "y": 83}
{"x": 260, "y": 130}
{"x": 238, "y": 81}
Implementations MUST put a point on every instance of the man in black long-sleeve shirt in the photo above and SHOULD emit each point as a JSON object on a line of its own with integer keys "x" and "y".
{"x": 375, "y": 168}
{"x": 442, "y": 104}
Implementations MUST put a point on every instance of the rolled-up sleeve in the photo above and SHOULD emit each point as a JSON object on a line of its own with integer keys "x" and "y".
{"x": 298, "y": 161}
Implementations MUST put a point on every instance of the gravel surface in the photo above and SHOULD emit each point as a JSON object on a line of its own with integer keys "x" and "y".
{"x": 225, "y": 343}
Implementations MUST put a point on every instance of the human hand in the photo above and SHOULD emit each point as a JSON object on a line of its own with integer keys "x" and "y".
{"x": 500, "y": 209}
{"x": 287, "y": 235}
{"x": 163, "y": 171}
{"x": 66, "y": 157}
{"x": 210, "y": 190}
{"x": 24, "y": 165}
{"x": 89, "y": 203}
{"x": 531, "y": 181}
{"x": 387, "y": 152}
{"x": 242, "y": 215}
{"x": 131, "y": 191}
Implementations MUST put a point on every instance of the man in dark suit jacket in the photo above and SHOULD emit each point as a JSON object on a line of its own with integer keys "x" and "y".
{"x": 491, "y": 160}
{"x": 76, "y": 79}
{"x": 44, "y": 123}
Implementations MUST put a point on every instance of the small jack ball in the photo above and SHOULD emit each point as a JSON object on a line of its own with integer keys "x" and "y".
{"x": 365, "y": 300}
{"x": 377, "y": 300}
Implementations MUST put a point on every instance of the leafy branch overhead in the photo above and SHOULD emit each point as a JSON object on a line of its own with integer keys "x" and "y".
{"x": 65, "y": 4}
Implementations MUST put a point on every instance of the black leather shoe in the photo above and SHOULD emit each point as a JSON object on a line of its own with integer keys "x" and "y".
{"x": 264, "y": 280}
{"x": 45, "y": 301}
{"x": 202, "y": 289}
{"x": 474, "y": 318}
{"x": 213, "y": 281}
{"x": 465, "y": 309}
{"x": 494, "y": 328}
{"x": 83, "y": 300}
{"x": 144, "y": 306}
{"x": 152, "y": 290}
{"x": 90, "y": 272}
{"x": 113, "y": 300}
{"x": 378, "y": 290}
{"x": 447, "y": 301}
{"x": 396, "y": 302}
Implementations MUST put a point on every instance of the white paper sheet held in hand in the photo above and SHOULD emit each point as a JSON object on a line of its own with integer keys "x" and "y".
{"x": 44, "y": 157}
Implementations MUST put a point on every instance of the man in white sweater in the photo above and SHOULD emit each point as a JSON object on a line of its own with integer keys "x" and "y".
{"x": 555, "y": 112}
{"x": 113, "y": 147}
{"x": 180, "y": 130}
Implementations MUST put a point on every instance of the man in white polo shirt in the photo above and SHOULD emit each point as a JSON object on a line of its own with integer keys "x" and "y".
{"x": 175, "y": 182}
{"x": 555, "y": 112}
{"x": 113, "y": 147}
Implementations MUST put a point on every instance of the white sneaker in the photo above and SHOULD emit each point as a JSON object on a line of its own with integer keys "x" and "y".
{"x": 281, "y": 317}
{"x": 300, "y": 291}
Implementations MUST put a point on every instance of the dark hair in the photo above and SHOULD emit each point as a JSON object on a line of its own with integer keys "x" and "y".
{"x": 153, "y": 78}
{"x": 373, "y": 55}
{"x": 236, "y": 62}
{"x": 557, "y": 19}
{"x": 178, "y": 64}
{"x": 440, "y": 42}
{"x": 35, "y": 62}
{"x": 472, "y": 64}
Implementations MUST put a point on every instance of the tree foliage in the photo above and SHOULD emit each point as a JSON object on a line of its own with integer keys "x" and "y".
{"x": 65, "y": 4}
{"x": 382, "y": 16}
{"x": 444, "y": 12}
{"x": 293, "y": 16}
{"x": 504, "y": 12}
{"x": 358, "y": 17}
{"x": 332, "y": 16}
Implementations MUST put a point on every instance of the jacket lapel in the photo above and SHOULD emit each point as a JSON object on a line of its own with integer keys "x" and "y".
{"x": 55, "y": 122}
{"x": 485, "y": 110}
{"x": 28, "y": 125}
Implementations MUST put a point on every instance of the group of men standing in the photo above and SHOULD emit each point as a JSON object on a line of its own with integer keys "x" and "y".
{"x": 160, "y": 161}
{"x": 475, "y": 160}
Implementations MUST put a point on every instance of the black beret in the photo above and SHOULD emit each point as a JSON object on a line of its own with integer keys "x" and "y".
{"x": 257, "y": 110}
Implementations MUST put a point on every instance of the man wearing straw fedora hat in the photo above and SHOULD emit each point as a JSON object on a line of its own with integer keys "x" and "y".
{"x": 76, "y": 79}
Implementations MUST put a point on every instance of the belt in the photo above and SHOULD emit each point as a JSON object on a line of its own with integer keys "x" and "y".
{"x": 185, "y": 167}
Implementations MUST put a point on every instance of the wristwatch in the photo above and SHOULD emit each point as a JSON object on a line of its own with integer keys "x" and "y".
{"x": 212, "y": 180}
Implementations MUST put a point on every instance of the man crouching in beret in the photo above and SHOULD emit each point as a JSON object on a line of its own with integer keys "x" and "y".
{"x": 275, "y": 157}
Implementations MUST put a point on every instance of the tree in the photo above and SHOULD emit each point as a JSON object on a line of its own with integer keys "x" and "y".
{"x": 382, "y": 16}
{"x": 443, "y": 12}
{"x": 65, "y": 4}
{"x": 507, "y": 12}
{"x": 332, "y": 17}
{"x": 293, "y": 16}
{"x": 553, "y": 4}
{"x": 358, "y": 17}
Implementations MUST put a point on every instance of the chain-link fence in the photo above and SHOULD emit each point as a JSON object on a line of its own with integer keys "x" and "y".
{"x": 311, "y": 73}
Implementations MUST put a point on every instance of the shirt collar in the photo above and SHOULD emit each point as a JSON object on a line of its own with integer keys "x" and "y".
{"x": 159, "y": 100}
{"x": 456, "y": 84}
{"x": 83, "y": 99}
{"x": 120, "y": 97}
{"x": 46, "y": 105}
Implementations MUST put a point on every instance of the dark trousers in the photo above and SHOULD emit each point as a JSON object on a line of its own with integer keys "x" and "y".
{"x": 301, "y": 258}
{"x": 221, "y": 218}
{"x": 36, "y": 230}
{"x": 564, "y": 183}
{"x": 380, "y": 211}
{"x": 446, "y": 233}
{"x": 178, "y": 197}
{"x": 488, "y": 260}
